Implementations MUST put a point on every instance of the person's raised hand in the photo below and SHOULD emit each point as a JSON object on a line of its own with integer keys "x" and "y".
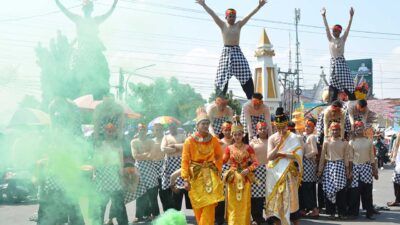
{"x": 201, "y": 2}
{"x": 262, "y": 2}
{"x": 351, "y": 11}
{"x": 323, "y": 11}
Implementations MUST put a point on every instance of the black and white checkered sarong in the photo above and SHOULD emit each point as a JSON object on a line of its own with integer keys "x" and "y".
{"x": 333, "y": 179}
{"x": 361, "y": 173}
{"x": 108, "y": 178}
{"x": 396, "y": 178}
{"x": 217, "y": 124}
{"x": 254, "y": 121}
{"x": 340, "y": 75}
{"x": 258, "y": 191}
{"x": 172, "y": 163}
{"x": 52, "y": 183}
{"x": 232, "y": 63}
{"x": 159, "y": 165}
{"x": 148, "y": 179}
{"x": 310, "y": 170}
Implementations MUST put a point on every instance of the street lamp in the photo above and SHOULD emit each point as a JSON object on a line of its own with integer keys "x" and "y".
{"x": 130, "y": 74}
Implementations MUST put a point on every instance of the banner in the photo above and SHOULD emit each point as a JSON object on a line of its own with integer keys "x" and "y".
{"x": 361, "y": 70}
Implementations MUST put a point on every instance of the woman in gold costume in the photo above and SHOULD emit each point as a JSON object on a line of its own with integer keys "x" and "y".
{"x": 242, "y": 161}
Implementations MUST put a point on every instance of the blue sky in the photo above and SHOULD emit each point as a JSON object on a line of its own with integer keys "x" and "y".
{"x": 183, "y": 41}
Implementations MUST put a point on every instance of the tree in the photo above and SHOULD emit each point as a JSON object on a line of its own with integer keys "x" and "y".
{"x": 56, "y": 76}
{"x": 233, "y": 103}
{"x": 164, "y": 98}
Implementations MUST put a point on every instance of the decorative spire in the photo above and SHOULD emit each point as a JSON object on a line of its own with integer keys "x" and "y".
{"x": 264, "y": 46}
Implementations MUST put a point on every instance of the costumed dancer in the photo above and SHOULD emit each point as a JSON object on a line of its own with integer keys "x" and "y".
{"x": 201, "y": 166}
{"x": 340, "y": 78}
{"x": 108, "y": 160}
{"x": 225, "y": 142}
{"x": 308, "y": 192}
{"x": 89, "y": 65}
{"x": 239, "y": 177}
{"x": 334, "y": 166}
{"x": 232, "y": 61}
{"x": 395, "y": 160}
{"x": 333, "y": 113}
{"x": 255, "y": 111}
{"x": 284, "y": 172}
{"x": 59, "y": 172}
{"x": 172, "y": 145}
{"x": 358, "y": 110}
{"x": 146, "y": 193}
{"x": 260, "y": 146}
{"x": 219, "y": 112}
{"x": 362, "y": 172}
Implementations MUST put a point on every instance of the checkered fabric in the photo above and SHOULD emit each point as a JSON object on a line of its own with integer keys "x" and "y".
{"x": 334, "y": 179}
{"x": 148, "y": 179}
{"x": 232, "y": 63}
{"x": 340, "y": 75}
{"x": 172, "y": 163}
{"x": 309, "y": 170}
{"x": 396, "y": 178}
{"x": 254, "y": 121}
{"x": 361, "y": 173}
{"x": 108, "y": 178}
{"x": 320, "y": 123}
{"x": 217, "y": 124}
{"x": 52, "y": 183}
{"x": 258, "y": 191}
{"x": 159, "y": 165}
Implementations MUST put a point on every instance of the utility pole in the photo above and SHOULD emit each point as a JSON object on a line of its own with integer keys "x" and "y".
{"x": 288, "y": 88}
{"x": 298, "y": 91}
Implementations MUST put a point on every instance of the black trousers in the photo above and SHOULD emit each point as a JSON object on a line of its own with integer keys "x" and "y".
{"x": 397, "y": 191}
{"x": 363, "y": 191}
{"x": 321, "y": 196}
{"x": 308, "y": 195}
{"x": 99, "y": 203}
{"x": 220, "y": 213}
{"x": 55, "y": 208}
{"x": 257, "y": 208}
{"x": 340, "y": 204}
{"x": 167, "y": 201}
{"x": 147, "y": 204}
{"x": 178, "y": 197}
{"x": 248, "y": 89}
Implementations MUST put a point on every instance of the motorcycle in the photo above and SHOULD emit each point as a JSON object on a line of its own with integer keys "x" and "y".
{"x": 17, "y": 187}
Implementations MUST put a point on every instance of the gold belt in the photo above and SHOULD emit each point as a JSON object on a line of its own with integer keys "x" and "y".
{"x": 205, "y": 168}
{"x": 234, "y": 175}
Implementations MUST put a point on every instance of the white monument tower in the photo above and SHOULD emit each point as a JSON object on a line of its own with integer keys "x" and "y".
{"x": 266, "y": 73}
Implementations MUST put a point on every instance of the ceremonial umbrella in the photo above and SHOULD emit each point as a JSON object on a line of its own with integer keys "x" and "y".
{"x": 87, "y": 102}
{"x": 29, "y": 117}
{"x": 164, "y": 120}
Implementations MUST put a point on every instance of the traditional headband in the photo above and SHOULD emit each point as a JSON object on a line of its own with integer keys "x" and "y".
{"x": 334, "y": 125}
{"x": 226, "y": 125}
{"x": 256, "y": 101}
{"x": 229, "y": 12}
{"x": 337, "y": 28}
{"x": 358, "y": 124}
{"x": 261, "y": 124}
{"x": 141, "y": 126}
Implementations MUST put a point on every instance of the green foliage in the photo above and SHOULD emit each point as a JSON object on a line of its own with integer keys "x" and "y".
{"x": 164, "y": 98}
{"x": 56, "y": 76}
{"x": 233, "y": 103}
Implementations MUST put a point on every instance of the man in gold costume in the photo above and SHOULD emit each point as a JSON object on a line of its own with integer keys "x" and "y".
{"x": 283, "y": 173}
{"x": 201, "y": 166}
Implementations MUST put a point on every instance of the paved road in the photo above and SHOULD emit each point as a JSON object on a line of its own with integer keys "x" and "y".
{"x": 383, "y": 192}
